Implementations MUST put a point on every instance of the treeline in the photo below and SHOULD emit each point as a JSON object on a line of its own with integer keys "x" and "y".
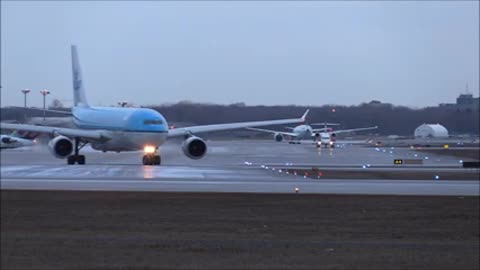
{"x": 398, "y": 120}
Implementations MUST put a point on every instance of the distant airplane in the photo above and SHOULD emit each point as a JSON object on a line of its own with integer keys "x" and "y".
{"x": 321, "y": 136}
{"x": 298, "y": 133}
{"x": 17, "y": 139}
{"x": 124, "y": 129}
{"x": 327, "y": 138}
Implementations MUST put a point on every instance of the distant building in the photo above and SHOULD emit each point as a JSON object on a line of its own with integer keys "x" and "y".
{"x": 431, "y": 131}
{"x": 465, "y": 103}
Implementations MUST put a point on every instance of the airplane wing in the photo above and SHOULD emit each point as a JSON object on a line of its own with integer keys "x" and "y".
{"x": 40, "y": 109}
{"x": 352, "y": 130}
{"x": 273, "y": 131}
{"x": 90, "y": 135}
{"x": 220, "y": 127}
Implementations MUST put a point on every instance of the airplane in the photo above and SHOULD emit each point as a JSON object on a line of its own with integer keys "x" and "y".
{"x": 321, "y": 136}
{"x": 298, "y": 133}
{"x": 17, "y": 139}
{"x": 124, "y": 128}
{"x": 328, "y": 137}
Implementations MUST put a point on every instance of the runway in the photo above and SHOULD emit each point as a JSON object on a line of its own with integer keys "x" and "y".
{"x": 364, "y": 187}
{"x": 239, "y": 166}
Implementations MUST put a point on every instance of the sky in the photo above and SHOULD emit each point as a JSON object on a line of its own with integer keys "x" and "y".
{"x": 308, "y": 53}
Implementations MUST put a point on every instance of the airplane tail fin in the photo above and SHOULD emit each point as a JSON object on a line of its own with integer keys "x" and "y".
{"x": 304, "y": 116}
{"x": 79, "y": 98}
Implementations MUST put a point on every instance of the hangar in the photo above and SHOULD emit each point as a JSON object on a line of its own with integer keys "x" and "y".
{"x": 431, "y": 130}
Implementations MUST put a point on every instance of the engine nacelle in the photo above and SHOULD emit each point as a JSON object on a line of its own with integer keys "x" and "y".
{"x": 333, "y": 137}
{"x": 60, "y": 146}
{"x": 278, "y": 137}
{"x": 194, "y": 147}
{"x": 317, "y": 134}
{"x": 7, "y": 139}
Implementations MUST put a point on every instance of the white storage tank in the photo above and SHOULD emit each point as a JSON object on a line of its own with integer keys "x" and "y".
{"x": 431, "y": 130}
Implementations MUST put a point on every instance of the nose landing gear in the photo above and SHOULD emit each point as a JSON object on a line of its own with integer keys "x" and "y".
{"x": 151, "y": 156}
{"x": 151, "y": 159}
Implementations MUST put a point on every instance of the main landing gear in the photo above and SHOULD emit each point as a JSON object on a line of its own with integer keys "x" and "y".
{"x": 76, "y": 158}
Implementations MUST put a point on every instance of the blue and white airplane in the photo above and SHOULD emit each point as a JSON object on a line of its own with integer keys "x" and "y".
{"x": 124, "y": 129}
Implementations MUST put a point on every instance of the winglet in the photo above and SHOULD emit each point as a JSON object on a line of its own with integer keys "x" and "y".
{"x": 304, "y": 116}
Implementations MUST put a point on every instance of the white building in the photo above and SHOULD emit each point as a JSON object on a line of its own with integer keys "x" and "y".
{"x": 431, "y": 130}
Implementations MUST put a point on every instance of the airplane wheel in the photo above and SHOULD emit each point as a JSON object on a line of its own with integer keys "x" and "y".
{"x": 71, "y": 160}
{"x": 81, "y": 159}
{"x": 147, "y": 160}
{"x": 156, "y": 160}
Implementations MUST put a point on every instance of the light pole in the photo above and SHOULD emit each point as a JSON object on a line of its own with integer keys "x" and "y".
{"x": 44, "y": 93}
{"x": 25, "y": 92}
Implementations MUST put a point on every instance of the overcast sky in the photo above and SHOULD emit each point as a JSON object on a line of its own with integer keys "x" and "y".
{"x": 304, "y": 53}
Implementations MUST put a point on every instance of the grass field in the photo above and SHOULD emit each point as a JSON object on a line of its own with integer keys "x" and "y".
{"x": 128, "y": 230}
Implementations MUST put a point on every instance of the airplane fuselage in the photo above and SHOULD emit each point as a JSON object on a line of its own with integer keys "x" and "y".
{"x": 326, "y": 139}
{"x": 303, "y": 132}
{"x": 130, "y": 129}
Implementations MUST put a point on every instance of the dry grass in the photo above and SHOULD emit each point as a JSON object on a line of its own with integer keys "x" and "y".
{"x": 128, "y": 230}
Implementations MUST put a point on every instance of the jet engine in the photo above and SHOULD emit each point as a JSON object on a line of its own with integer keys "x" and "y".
{"x": 60, "y": 146}
{"x": 194, "y": 147}
{"x": 7, "y": 139}
{"x": 278, "y": 137}
{"x": 333, "y": 137}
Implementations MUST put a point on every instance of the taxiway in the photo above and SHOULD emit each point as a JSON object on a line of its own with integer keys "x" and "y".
{"x": 238, "y": 166}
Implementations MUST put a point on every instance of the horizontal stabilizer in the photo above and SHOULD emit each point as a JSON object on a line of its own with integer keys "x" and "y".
{"x": 324, "y": 124}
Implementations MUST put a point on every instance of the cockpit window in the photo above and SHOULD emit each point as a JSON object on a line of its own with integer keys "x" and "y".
{"x": 153, "y": 122}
